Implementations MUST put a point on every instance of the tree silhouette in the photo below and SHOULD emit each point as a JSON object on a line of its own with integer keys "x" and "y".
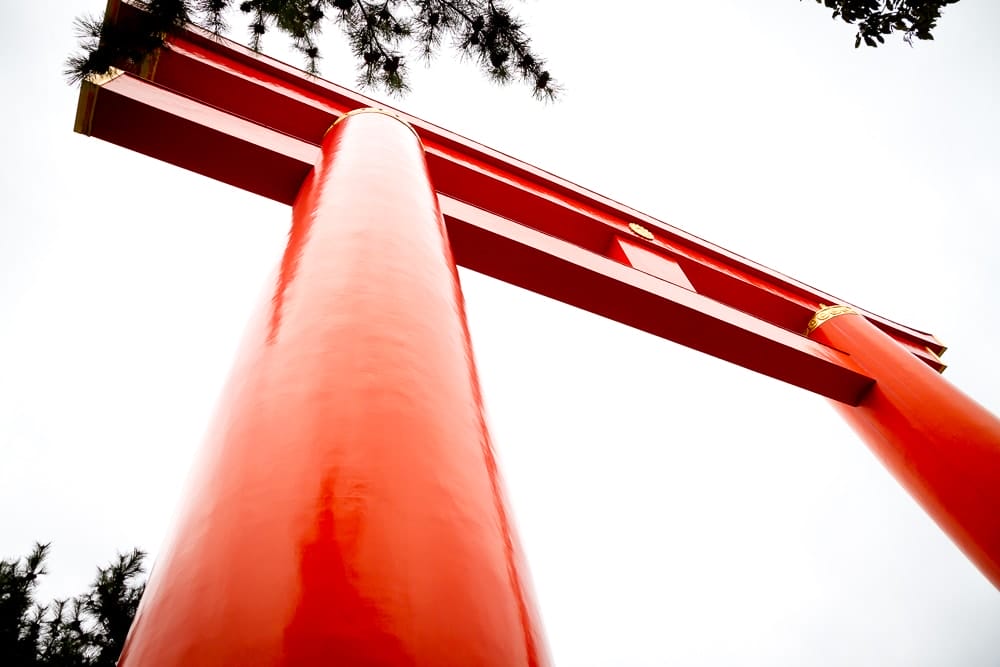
{"x": 876, "y": 18}
{"x": 486, "y": 32}
{"x": 86, "y": 631}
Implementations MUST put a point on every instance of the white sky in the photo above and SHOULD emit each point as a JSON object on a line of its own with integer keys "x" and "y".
{"x": 674, "y": 509}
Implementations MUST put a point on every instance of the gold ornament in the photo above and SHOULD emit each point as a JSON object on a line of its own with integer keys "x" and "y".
{"x": 827, "y": 313}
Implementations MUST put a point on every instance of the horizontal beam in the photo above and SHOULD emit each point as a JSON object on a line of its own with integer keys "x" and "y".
{"x": 525, "y": 257}
{"x": 170, "y": 127}
{"x": 164, "y": 124}
{"x": 232, "y": 78}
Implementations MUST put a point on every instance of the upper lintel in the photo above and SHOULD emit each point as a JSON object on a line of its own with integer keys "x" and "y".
{"x": 292, "y": 110}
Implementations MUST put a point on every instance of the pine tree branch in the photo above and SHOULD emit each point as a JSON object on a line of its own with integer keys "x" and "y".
{"x": 376, "y": 32}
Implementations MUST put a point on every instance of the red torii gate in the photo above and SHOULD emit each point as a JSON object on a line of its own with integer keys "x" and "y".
{"x": 348, "y": 504}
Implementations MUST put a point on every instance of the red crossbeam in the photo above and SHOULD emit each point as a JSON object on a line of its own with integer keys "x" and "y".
{"x": 216, "y": 108}
{"x": 392, "y": 504}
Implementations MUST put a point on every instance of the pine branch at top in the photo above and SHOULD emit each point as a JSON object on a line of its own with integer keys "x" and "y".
{"x": 381, "y": 35}
{"x": 384, "y": 34}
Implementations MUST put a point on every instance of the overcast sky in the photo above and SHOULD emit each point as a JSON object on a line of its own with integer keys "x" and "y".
{"x": 675, "y": 509}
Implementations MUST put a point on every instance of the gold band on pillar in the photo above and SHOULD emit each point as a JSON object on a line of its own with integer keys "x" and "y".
{"x": 384, "y": 112}
{"x": 826, "y": 313}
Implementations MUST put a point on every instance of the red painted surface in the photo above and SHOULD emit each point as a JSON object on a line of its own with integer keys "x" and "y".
{"x": 348, "y": 509}
{"x": 230, "y": 79}
{"x": 634, "y": 254}
{"x": 942, "y": 446}
{"x": 233, "y": 150}
{"x": 528, "y": 258}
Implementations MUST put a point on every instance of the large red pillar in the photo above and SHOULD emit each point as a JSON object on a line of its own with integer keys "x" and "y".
{"x": 942, "y": 446}
{"x": 348, "y": 509}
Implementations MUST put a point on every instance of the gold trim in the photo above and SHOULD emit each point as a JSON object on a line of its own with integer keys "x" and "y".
{"x": 826, "y": 313}
{"x": 384, "y": 112}
{"x": 937, "y": 358}
{"x": 112, "y": 9}
{"x": 87, "y": 102}
{"x": 147, "y": 68}
{"x": 641, "y": 231}
{"x": 101, "y": 79}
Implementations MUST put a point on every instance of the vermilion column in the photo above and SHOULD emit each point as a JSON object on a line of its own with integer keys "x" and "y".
{"x": 942, "y": 446}
{"x": 348, "y": 509}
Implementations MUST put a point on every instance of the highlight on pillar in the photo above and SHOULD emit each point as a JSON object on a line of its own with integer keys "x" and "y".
{"x": 348, "y": 502}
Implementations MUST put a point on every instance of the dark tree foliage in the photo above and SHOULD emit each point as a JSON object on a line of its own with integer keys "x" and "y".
{"x": 20, "y": 618}
{"x": 86, "y": 631}
{"x": 379, "y": 31}
{"x": 486, "y": 31}
{"x": 876, "y": 18}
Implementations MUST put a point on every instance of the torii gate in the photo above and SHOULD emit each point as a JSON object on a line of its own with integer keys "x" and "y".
{"x": 348, "y": 506}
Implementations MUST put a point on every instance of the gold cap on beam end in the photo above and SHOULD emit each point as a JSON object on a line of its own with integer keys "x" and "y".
{"x": 89, "y": 88}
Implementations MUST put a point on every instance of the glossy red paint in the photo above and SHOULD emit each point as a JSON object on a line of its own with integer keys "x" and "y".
{"x": 348, "y": 508}
{"x": 943, "y": 447}
{"x": 227, "y": 77}
{"x": 126, "y": 109}
{"x": 528, "y": 258}
{"x": 634, "y": 254}
{"x": 235, "y": 151}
